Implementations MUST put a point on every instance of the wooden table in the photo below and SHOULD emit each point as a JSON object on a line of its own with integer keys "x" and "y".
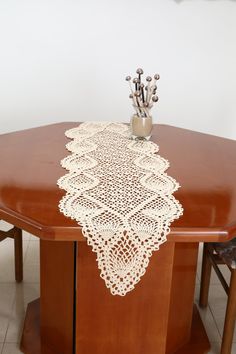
{"x": 76, "y": 313}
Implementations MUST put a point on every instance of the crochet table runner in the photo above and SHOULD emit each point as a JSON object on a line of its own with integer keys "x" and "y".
{"x": 119, "y": 193}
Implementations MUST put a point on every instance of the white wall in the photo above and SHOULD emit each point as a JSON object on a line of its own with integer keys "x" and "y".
{"x": 66, "y": 61}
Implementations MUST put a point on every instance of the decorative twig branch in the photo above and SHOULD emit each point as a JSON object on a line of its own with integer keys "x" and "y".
{"x": 143, "y": 103}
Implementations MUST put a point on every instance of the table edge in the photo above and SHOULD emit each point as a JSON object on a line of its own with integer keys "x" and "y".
{"x": 74, "y": 233}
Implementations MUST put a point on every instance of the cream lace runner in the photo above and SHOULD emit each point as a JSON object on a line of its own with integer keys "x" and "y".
{"x": 118, "y": 191}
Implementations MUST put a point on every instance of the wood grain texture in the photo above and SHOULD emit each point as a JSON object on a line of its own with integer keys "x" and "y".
{"x": 230, "y": 316}
{"x": 18, "y": 253}
{"x": 155, "y": 318}
{"x": 204, "y": 165}
{"x": 198, "y": 342}
{"x": 182, "y": 295}
{"x": 30, "y": 340}
{"x": 57, "y": 296}
{"x": 144, "y": 321}
{"x": 136, "y": 323}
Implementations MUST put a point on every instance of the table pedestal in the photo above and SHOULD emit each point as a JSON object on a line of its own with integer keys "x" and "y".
{"x": 78, "y": 315}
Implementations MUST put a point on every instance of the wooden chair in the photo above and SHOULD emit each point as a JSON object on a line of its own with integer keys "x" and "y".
{"x": 16, "y": 234}
{"x": 214, "y": 254}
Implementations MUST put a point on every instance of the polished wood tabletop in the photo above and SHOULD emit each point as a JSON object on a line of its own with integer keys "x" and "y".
{"x": 204, "y": 165}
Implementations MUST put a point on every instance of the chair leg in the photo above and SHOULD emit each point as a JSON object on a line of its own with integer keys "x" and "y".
{"x": 230, "y": 316}
{"x": 18, "y": 255}
{"x": 205, "y": 277}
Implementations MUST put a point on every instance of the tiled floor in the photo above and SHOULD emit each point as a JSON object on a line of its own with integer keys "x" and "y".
{"x": 15, "y": 297}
